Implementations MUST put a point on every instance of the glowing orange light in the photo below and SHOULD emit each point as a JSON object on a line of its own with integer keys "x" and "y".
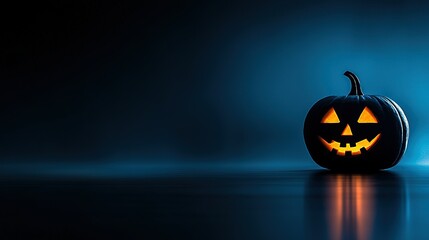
{"x": 351, "y": 208}
{"x": 330, "y": 117}
{"x": 367, "y": 116}
{"x": 347, "y": 131}
{"x": 356, "y": 150}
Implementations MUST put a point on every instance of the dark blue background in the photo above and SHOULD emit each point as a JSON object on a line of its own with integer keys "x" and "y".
{"x": 194, "y": 82}
{"x": 184, "y": 119}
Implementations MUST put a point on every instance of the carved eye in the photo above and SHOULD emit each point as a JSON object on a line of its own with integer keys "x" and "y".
{"x": 367, "y": 116}
{"x": 330, "y": 117}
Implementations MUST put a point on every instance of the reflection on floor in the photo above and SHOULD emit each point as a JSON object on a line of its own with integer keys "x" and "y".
{"x": 250, "y": 204}
{"x": 355, "y": 206}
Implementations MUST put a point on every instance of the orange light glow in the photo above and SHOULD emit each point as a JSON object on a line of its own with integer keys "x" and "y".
{"x": 351, "y": 208}
{"x": 356, "y": 150}
{"x": 347, "y": 131}
{"x": 330, "y": 117}
{"x": 367, "y": 116}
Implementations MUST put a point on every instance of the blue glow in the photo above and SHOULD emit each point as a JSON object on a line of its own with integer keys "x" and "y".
{"x": 275, "y": 72}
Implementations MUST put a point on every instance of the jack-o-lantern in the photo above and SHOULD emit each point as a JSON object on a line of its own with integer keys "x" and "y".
{"x": 356, "y": 132}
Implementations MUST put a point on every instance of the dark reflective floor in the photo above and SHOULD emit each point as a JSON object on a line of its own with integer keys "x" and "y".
{"x": 355, "y": 206}
{"x": 294, "y": 204}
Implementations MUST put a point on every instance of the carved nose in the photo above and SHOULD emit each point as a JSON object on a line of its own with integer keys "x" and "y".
{"x": 347, "y": 131}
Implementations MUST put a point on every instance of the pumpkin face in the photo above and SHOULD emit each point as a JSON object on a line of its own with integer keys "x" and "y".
{"x": 351, "y": 146}
{"x": 356, "y": 132}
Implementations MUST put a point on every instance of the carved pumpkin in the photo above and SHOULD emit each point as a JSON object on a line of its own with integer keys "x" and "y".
{"x": 356, "y": 132}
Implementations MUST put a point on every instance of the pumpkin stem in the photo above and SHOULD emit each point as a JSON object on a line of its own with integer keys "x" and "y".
{"x": 356, "y": 90}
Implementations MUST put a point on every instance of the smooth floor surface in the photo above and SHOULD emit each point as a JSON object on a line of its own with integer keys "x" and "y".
{"x": 297, "y": 203}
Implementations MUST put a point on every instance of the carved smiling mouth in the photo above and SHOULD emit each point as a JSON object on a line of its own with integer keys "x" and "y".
{"x": 356, "y": 150}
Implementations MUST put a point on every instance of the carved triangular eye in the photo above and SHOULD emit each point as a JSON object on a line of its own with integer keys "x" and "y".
{"x": 367, "y": 116}
{"x": 330, "y": 117}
